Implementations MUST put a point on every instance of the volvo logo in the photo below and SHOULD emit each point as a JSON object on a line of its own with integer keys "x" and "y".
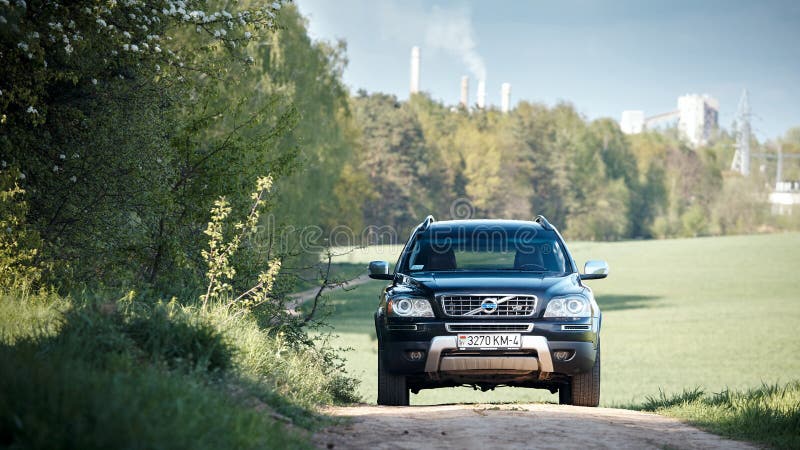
{"x": 489, "y": 305}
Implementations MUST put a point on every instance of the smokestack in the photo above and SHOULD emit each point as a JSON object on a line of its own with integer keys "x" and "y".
{"x": 465, "y": 91}
{"x": 505, "y": 97}
{"x": 481, "y": 94}
{"x": 414, "y": 70}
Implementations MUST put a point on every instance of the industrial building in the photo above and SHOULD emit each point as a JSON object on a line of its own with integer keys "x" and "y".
{"x": 696, "y": 117}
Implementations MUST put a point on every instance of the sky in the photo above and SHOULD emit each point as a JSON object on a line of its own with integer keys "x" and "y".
{"x": 603, "y": 57}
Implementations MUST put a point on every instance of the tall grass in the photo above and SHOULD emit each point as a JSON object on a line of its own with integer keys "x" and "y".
{"x": 151, "y": 374}
{"x": 769, "y": 414}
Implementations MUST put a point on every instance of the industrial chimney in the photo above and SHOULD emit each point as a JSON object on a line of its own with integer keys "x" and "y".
{"x": 465, "y": 91}
{"x": 481, "y": 94}
{"x": 414, "y": 70}
{"x": 505, "y": 97}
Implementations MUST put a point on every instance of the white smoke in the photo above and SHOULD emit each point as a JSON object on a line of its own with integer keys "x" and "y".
{"x": 451, "y": 31}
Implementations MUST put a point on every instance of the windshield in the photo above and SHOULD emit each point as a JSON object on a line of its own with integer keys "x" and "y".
{"x": 528, "y": 250}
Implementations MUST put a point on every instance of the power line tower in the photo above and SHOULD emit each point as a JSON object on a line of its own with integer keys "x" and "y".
{"x": 741, "y": 159}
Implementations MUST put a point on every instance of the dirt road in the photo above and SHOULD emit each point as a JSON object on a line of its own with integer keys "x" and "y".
{"x": 510, "y": 426}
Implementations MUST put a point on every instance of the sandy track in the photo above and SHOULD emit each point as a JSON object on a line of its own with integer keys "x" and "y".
{"x": 511, "y": 426}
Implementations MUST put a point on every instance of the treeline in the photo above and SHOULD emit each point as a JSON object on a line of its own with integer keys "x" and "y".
{"x": 587, "y": 177}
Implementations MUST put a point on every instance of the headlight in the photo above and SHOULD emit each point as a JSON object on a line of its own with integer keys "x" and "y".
{"x": 410, "y": 307}
{"x": 568, "y": 307}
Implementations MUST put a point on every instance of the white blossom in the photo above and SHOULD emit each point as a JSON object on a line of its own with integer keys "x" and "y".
{"x": 31, "y": 110}
{"x": 73, "y": 178}
{"x": 68, "y": 49}
{"x": 126, "y": 47}
{"x": 3, "y": 163}
{"x": 94, "y": 80}
{"x": 62, "y": 156}
{"x": 55, "y": 168}
{"x": 101, "y": 22}
{"x": 248, "y": 35}
{"x": 134, "y": 48}
{"x": 35, "y": 35}
{"x": 126, "y": 34}
{"x": 75, "y": 156}
{"x": 23, "y": 46}
{"x": 21, "y": 176}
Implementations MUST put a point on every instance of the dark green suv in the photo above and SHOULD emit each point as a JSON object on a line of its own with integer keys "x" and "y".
{"x": 488, "y": 303}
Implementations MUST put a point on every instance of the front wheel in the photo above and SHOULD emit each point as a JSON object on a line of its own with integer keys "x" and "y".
{"x": 392, "y": 389}
{"x": 584, "y": 388}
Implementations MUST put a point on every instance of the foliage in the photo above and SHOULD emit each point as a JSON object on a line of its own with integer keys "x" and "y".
{"x": 18, "y": 243}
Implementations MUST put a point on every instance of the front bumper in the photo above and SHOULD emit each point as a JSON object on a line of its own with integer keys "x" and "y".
{"x": 429, "y": 349}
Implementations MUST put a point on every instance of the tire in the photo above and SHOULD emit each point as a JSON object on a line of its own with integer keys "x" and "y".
{"x": 392, "y": 389}
{"x": 585, "y": 387}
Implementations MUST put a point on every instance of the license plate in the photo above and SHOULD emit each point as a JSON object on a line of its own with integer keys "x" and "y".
{"x": 489, "y": 341}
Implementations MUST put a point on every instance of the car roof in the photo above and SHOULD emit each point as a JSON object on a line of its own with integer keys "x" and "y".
{"x": 478, "y": 224}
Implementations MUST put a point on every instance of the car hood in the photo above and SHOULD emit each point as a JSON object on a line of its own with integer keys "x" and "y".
{"x": 434, "y": 283}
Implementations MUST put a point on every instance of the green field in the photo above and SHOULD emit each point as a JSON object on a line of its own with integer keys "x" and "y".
{"x": 712, "y": 313}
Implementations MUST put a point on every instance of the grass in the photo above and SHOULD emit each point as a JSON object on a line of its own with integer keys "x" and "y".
{"x": 139, "y": 373}
{"x": 715, "y": 313}
{"x": 768, "y": 414}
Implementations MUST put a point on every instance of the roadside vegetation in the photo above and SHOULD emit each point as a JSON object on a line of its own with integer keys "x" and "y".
{"x": 150, "y": 161}
{"x": 139, "y": 373}
{"x": 769, "y": 414}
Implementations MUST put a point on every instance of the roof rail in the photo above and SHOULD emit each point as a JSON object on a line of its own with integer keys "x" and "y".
{"x": 541, "y": 220}
{"x": 426, "y": 223}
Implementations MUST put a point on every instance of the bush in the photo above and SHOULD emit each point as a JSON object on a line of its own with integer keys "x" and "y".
{"x": 53, "y": 402}
{"x": 137, "y": 373}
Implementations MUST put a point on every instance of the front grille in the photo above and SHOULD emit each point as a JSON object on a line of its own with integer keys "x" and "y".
{"x": 488, "y": 327}
{"x": 488, "y": 305}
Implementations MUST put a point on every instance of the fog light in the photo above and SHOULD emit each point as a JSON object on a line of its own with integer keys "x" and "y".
{"x": 415, "y": 355}
{"x": 562, "y": 355}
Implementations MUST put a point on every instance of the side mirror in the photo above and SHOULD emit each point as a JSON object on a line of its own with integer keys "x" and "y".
{"x": 594, "y": 270}
{"x": 379, "y": 270}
